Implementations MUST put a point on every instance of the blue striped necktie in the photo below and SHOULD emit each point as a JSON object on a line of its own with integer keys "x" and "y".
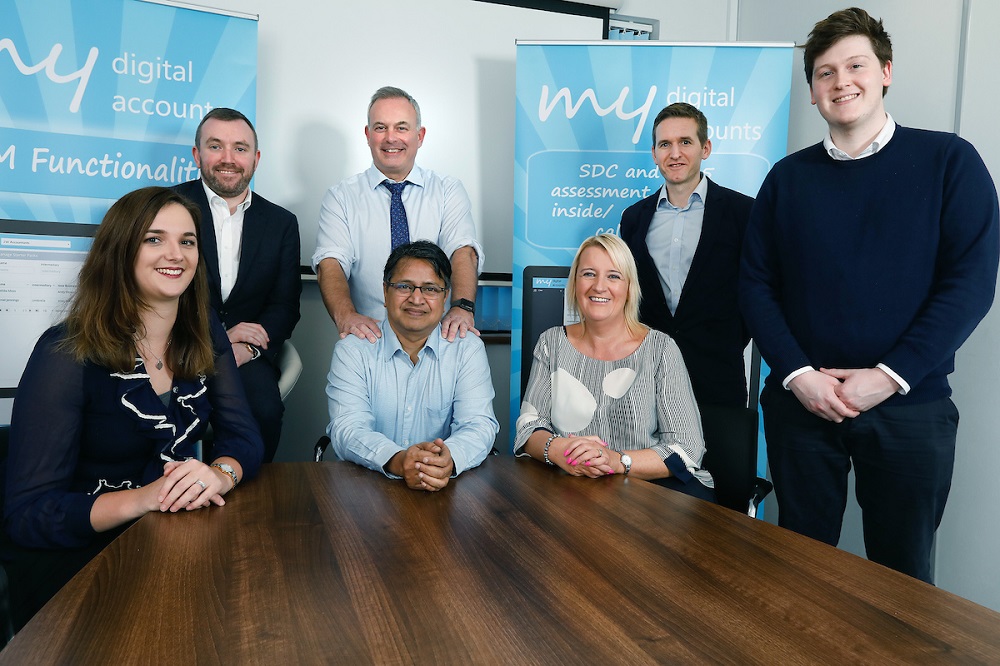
{"x": 397, "y": 214}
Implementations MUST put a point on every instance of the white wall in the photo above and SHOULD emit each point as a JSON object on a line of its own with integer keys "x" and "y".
{"x": 969, "y": 540}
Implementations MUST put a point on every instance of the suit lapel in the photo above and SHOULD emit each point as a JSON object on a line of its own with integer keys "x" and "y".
{"x": 709, "y": 230}
{"x": 652, "y": 296}
{"x": 253, "y": 234}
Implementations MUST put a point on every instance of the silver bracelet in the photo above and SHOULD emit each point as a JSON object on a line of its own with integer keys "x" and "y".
{"x": 545, "y": 451}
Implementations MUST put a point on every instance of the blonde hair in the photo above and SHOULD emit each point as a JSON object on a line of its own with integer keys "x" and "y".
{"x": 621, "y": 258}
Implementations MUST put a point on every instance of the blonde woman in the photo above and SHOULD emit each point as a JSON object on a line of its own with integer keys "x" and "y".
{"x": 608, "y": 395}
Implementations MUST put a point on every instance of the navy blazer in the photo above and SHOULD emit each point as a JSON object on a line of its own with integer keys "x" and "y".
{"x": 707, "y": 325}
{"x": 268, "y": 285}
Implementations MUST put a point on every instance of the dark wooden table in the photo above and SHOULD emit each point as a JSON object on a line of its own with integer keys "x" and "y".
{"x": 513, "y": 563}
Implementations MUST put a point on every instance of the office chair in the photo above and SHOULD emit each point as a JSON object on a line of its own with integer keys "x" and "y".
{"x": 731, "y": 449}
{"x": 6, "y": 623}
{"x": 289, "y": 371}
{"x": 289, "y": 367}
{"x": 731, "y": 457}
{"x": 320, "y": 448}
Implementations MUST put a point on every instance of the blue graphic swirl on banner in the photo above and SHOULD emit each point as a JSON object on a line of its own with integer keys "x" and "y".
{"x": 94, "y": 103}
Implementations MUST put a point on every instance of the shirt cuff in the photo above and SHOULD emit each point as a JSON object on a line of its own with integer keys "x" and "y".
{"x": 677, "y": 468}
{"x": 904, "y": 388}
{"x": 793, "y": 375}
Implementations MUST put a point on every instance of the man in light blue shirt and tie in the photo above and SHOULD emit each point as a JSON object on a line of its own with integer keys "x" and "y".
{"x": 412, "y": 405}
{"x": 365, "y": 217}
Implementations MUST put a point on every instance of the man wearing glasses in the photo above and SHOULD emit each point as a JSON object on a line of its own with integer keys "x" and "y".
{"x": 412, "y": 405}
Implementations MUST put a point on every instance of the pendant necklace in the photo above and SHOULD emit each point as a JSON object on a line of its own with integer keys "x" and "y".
{"x": 159, "y": 361}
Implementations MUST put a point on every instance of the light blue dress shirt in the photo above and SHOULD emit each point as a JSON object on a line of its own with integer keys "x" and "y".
{"x": 381, "y": 403}
{"x": 673, "y": 238}
{"x": 354, "y": 227}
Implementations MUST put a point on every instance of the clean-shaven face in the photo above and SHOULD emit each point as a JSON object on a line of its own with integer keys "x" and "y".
{"x": 678, "y": 152}
{"x": 393, "y": 136}
{"x": 847, "y": 86}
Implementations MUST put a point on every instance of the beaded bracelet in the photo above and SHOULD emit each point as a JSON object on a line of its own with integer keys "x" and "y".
{"x": 545, "y": 452}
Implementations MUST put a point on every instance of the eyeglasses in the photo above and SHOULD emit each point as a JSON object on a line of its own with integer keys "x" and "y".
{"x": 431, "y": 291}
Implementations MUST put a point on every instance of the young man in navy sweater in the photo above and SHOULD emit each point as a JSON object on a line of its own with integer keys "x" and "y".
{"x": 869, "y": 259}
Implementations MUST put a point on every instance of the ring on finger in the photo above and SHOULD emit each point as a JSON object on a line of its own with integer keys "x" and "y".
{"x": 204, "y": 486}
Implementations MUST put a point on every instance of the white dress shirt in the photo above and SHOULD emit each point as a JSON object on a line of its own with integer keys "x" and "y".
{"x": 228, "y": 236}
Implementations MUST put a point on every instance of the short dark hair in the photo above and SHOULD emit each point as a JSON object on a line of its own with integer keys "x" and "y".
{"x": 227, "y": 115}
{"x": 846, "y": 23}
{"x": 391, "y": 92}
{"x": 683, "y": 110}
{"x": 420, "y": 249}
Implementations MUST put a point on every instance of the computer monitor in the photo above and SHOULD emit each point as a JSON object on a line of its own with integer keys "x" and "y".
{"x": 544, "y": 306}
{"x": 39, "y": 266}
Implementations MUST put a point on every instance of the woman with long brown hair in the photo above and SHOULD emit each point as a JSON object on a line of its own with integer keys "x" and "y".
{"x": 114, "y": 400}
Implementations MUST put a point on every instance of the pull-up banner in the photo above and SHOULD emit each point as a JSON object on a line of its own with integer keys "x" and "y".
{"x": 583, "y": 145}
{"x": 100, "y": 98}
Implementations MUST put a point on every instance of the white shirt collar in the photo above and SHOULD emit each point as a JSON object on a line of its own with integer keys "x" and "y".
{"x": 215, "y": 200}
{"x": 888, "y": 129}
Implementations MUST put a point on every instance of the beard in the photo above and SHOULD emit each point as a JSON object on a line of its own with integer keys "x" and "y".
{"x": 223, "y": 190}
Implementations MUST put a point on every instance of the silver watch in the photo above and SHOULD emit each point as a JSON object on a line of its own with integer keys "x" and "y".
{"x": 627, "y": 463}
{"x": 228, "y": 469}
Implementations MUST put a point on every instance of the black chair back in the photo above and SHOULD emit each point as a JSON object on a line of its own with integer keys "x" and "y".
{"x": 731, "y": 453}
{"x": 6, "y": 623}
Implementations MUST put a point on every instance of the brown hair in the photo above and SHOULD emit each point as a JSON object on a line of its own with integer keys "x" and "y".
{"x": 846, "y": 23}
{"x": 683, "y": 110}
{"x": 105, "y": 317}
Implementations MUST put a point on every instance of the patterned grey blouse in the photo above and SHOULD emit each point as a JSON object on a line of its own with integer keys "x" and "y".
{"x": 643, "y": 401}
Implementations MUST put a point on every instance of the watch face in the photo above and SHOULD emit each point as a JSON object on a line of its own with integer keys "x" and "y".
{"x": 626, "y": 460}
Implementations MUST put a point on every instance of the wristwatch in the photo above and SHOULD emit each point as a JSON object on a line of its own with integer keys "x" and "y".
{"x": 627, "y": 463}
{"x": 228, "y": 469}
{"x": 465, "y": 304}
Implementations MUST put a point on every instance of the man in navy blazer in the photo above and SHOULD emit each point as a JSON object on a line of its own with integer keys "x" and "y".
{"x": 686, "y": 239}
{"x": 251, "y": 249}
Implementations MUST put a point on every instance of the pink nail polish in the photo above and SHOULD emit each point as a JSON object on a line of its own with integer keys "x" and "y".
{"x": 587, "y": 463}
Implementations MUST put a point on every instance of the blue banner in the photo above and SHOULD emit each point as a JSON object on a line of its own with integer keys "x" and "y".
{"x": 97, "y": 99}
{"x": 583, "y": 143}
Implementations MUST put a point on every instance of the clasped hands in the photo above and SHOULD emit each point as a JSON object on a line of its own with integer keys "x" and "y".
{"x": 244, "y": 333}
{"x": 424, "y": 466}
{"x": 585, "y": 456}
{"x": 181, "y": 487}
{"x": 835, "y": 394}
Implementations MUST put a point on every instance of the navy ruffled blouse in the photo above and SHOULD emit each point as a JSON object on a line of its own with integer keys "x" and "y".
{"x": 78, "y": 430}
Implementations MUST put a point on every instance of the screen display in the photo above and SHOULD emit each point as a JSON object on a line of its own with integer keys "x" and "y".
{"x": 544, "y": 306}
{"x": 39, "y": 266}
